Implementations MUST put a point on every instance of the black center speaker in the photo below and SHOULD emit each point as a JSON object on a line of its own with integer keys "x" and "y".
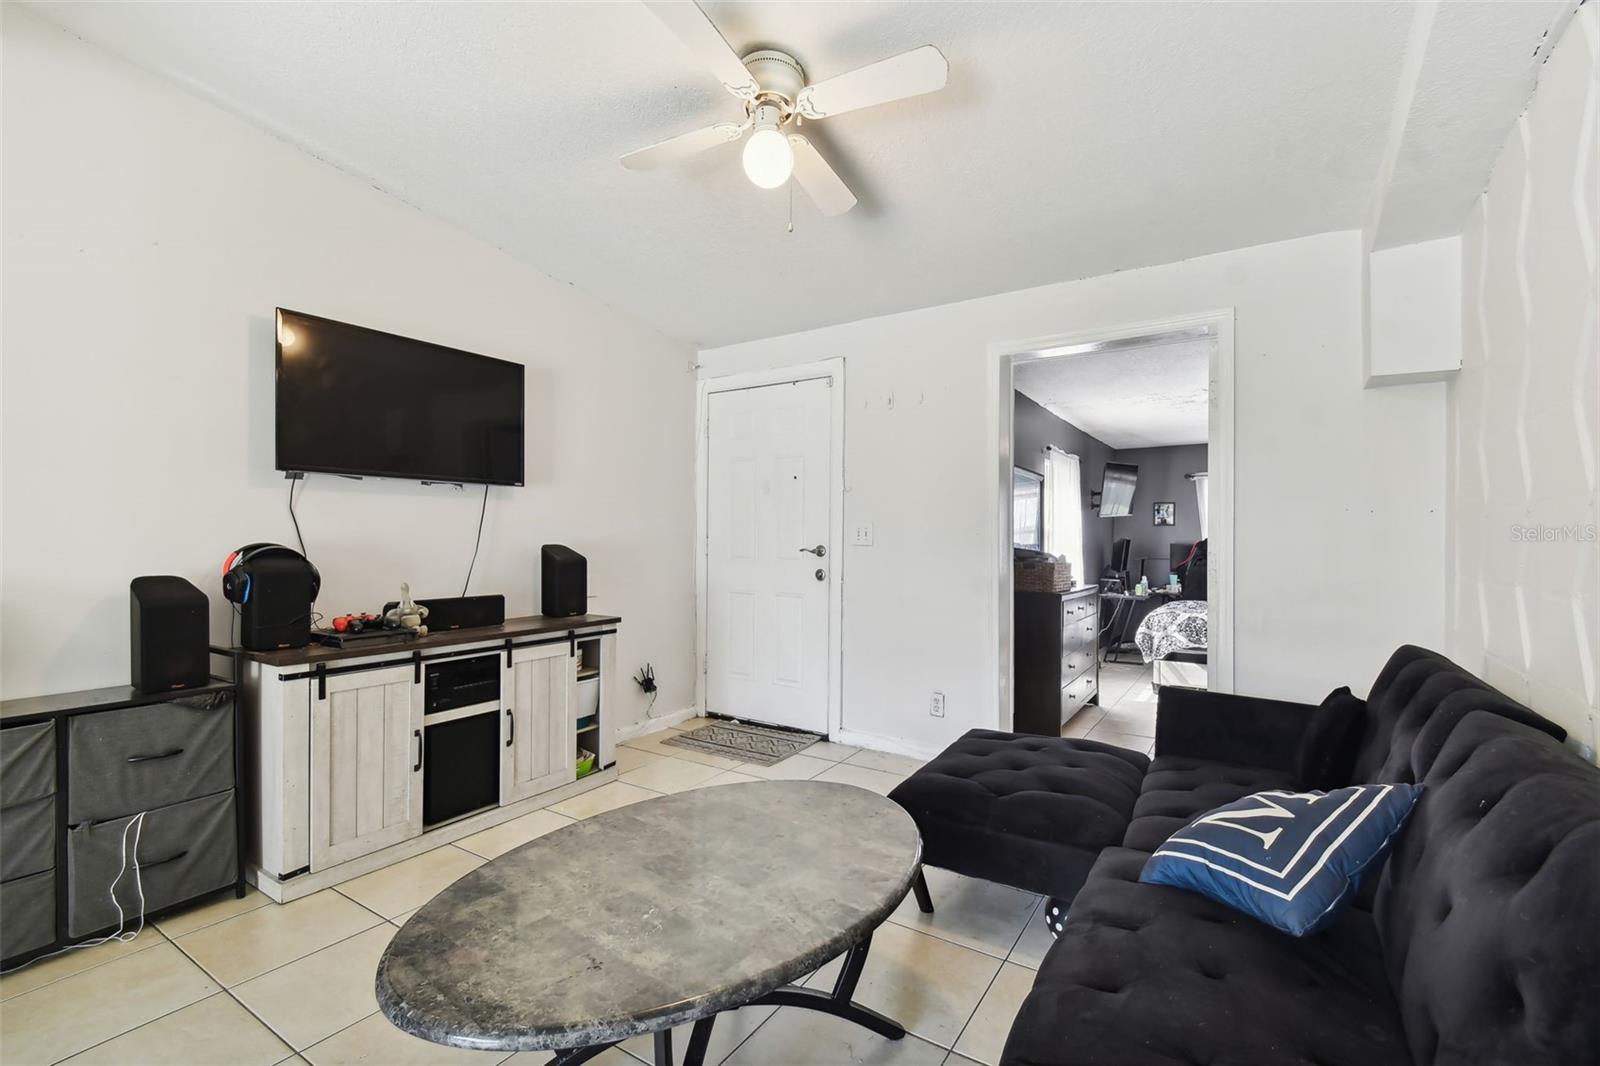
{"x": 169, "y": 628}
{"x": 459, "y": 612}
{"x": 564, "y": 582}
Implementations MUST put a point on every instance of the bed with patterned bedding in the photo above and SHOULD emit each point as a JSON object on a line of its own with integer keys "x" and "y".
{"x": 1174, "y": 627}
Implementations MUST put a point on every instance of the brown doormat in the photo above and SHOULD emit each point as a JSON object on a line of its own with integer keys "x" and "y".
{"x": 751, "y": 743}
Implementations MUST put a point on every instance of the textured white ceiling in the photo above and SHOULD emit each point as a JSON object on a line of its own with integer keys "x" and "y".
{"x": 1134, "y": 398}
{"x": 1462, "y": 112}
{"x": 1074, "y": 139}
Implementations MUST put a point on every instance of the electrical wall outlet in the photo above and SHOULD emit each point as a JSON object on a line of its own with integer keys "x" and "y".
{"x": 863, "y": 535}
{"x": 936, "y": 708}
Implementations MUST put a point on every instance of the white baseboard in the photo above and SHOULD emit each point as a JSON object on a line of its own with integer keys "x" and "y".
{"x": 893, "y": 745}
{"x": 656, "y": 724}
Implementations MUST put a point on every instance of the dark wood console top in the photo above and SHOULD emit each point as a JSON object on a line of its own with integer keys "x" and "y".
{"x": 511, "y": 629}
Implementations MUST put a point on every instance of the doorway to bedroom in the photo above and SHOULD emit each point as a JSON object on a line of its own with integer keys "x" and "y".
{"x": 1118, "y": 584}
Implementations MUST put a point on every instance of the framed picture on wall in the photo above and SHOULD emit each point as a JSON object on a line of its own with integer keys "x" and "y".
{"x": 1166, "y": 513}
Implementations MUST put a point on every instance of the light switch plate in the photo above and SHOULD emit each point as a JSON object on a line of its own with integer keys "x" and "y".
{"x": 863, "y": 535}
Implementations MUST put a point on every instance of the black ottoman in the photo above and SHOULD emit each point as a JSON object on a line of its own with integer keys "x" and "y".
{"x": 1027, "y": 811}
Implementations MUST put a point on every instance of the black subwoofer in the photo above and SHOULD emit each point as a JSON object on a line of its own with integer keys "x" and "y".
{"x": 169, "y": 628}
{"x": 564, "y": 582}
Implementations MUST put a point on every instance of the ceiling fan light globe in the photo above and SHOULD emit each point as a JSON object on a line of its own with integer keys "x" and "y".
{"x": 768, "y": 158}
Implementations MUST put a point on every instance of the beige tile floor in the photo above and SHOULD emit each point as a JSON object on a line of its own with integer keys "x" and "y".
{"x": 246, "y": 981}
{"x": 1126, "y": 713}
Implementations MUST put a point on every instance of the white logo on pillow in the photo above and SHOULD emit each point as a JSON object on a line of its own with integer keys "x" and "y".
{"x": 1298, "y": 857}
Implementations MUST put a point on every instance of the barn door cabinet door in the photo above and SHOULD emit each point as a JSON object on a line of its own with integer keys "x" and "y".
{"x": 366, "y": 764}
{"x": 538, "y": 739}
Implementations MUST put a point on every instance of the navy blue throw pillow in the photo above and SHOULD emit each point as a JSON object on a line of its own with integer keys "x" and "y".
{"x": 1289, "y": 859}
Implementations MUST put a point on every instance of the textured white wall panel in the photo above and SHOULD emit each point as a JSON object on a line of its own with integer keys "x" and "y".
{"x": 1523, "y": 561}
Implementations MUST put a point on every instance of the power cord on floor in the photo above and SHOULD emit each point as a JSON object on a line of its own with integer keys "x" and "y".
{"x": 123, "y": 935}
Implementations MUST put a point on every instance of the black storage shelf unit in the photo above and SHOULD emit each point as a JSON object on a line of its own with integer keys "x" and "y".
{"x": 76, "y": 768}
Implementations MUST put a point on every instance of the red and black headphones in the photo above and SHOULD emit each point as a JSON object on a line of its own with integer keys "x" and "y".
{"x": 236, "y": 580}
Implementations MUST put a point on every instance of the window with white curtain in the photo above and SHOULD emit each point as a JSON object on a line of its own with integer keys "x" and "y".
{"x": 1063, "y": 502}
{"x": 1200, "y": 495}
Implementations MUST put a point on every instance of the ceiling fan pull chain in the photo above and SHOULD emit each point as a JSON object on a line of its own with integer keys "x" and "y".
{"x": 791, "y": 205}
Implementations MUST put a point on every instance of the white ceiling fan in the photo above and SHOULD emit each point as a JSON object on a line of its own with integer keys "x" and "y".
{"x": 777, "y": 100}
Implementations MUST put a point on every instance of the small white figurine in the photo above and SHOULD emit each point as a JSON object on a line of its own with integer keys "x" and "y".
{"x": 406, "y": 614}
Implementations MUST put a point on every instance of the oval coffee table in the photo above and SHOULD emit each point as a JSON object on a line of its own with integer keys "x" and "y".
{"x": 653, "y": 915}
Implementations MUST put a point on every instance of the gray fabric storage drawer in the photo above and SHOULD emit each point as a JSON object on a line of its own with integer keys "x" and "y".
{"x": 27, "y": 838}
{"x": 139, "y": 758}
{"x": 29, "y": 906}
{"x": 27, "y": 762}
{"x": 184, "y": 850}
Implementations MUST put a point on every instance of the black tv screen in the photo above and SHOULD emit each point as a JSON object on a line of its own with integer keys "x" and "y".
{"x": 356, "y": 401}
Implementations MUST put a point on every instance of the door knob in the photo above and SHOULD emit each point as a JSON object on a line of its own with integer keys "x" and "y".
{"x": 822, "y": 575}
{"x": 819, "y": 551}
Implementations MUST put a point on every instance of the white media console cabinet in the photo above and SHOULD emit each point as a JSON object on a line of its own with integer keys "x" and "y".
{"x": 351, "y": 754}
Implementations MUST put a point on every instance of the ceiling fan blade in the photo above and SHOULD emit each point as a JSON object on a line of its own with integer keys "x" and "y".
{"x": 684, "y": 145}
{"x": 705, "y": 42}
{"x": 831, "y": 195}
{"x": 921, "y": 70}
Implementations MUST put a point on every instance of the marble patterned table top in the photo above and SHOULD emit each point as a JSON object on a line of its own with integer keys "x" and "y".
{"x": 649, "y": 916}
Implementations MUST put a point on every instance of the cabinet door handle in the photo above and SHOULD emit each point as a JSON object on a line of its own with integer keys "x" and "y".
{"x": 511, "y": 727}
{"x": 157, "y": 755}
{"x": 160, "y": 862}
{"x": 418, "y": 734}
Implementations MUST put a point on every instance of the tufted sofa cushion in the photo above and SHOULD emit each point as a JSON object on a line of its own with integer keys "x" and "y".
{"x": 1177, "y": 789}
{"x": 1489, "y": 907}
{"x": 1028, "y": 811}
{"x": 1147, "y": 974}
{"x": 1415, "y": 687}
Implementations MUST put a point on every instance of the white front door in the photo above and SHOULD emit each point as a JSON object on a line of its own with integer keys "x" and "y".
{"x": 769, "y": 565}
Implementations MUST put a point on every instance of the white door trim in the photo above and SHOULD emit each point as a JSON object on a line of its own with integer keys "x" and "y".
{"x": 826, "y": 368}
{"x": 1003, "y": 357}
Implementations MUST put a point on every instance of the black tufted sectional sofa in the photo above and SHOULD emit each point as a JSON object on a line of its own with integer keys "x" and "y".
{"x": 1479, "y": 942}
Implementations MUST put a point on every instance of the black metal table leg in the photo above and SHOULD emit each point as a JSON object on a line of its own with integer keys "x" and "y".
{"x": 699, "y": 1040}
{"x": 919, "y": 885}
{"x": 573, "y": 1055}
{"x": 663, "y": 1047}
{"x": 838, "y": 1002}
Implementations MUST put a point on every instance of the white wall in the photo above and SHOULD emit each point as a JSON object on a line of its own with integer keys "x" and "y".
{"x": 1339, "y": 490}
{"x": 148, "y": 236}
{"x": 1524, "y": 445}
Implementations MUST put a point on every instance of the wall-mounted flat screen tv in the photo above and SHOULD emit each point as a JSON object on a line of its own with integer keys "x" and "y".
{"x": 359, "y": 402}
{"x": 1116, "y": 490}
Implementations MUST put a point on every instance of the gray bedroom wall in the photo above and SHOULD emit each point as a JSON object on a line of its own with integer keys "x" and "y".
{"x": 1032, "y": 427}
{"x": 1161, "y": 478}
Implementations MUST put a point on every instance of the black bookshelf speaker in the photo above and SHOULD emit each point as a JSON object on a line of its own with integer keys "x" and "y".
{"x": 564, "y": 582}
{"x": 169, "y": 628}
